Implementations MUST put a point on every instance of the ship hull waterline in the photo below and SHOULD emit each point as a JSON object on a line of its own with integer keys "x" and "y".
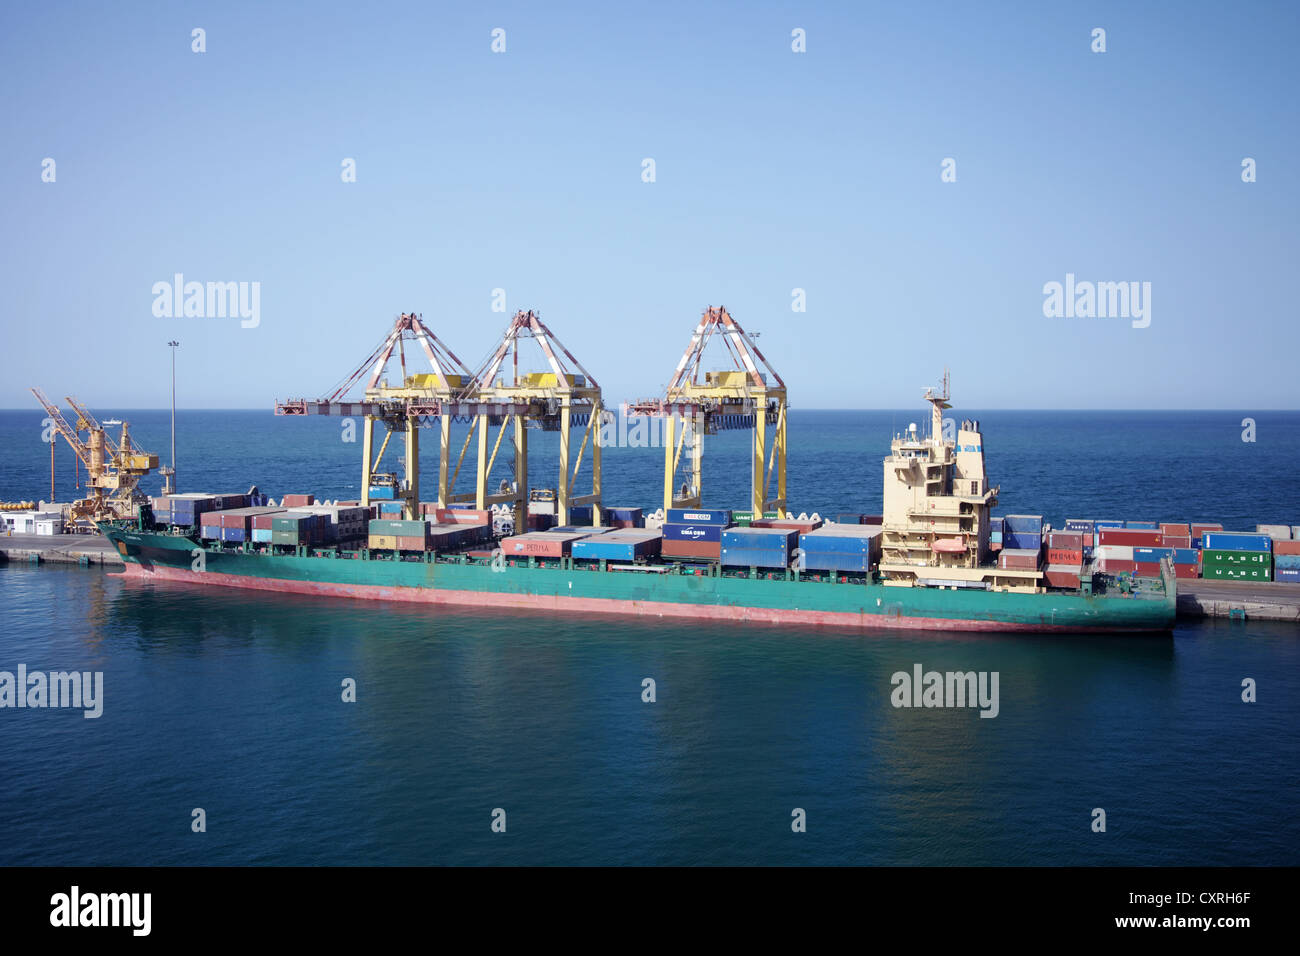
{"x": 158, "y": 557}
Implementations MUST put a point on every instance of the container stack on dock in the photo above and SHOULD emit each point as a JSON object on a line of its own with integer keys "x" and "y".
{"x": 1286, "y": 559}
{"x": 694, "y": 532}
{"x": 1236, "y": 556}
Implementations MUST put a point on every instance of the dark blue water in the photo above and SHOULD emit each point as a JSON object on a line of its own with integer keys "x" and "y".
{"x": 230, "y": 701}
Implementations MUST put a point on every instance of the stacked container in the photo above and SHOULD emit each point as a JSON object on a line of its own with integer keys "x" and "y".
{"x": 694, "y": 532}
{"x": 541, "y": 544}
{"x": 1198, "y": 531}
{"x": 758, "y": 547}
{"x": 1115, "y": 558}
{"x": 620, "y": 544}
{"x": 398, "y": 534}
{"x": 1237, "y": 556}
{"x": 1020, "y": 559}
{"x": 1022, "y": 532}
{"x": 299, "y": 528}
{"x": 1286, "y": 560}
{"x": 841, "y": 547}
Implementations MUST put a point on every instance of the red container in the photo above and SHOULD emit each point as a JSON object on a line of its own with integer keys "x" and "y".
{"x": 210, "y": 519}
{"x": 1069, "y": 557}
{"x": 1166, "y": 528}
{"x": 1175, "y": 540}
{"x": 1286, "y": 547}
{"x": 539, "y": 544}
{"x": 1065, "y": 541}
{"x": 1018, "y": 559}
{"x": 1135, "y": 537}
{"x": 1063, "y": 576}
{"x": 803, "y": 526}
{"x": 263, "y": 521}
{"x": 711, "y": 550}
{"x": 1187, "y": 570}
{"x": 1117, "y": 565}
{"x": 298, "y": 501}
{"x": 411, "y": 543}
{"x": 1148, "y": 569}
{"x": 462, "y": 516}
{"x": 1200, "y": 529}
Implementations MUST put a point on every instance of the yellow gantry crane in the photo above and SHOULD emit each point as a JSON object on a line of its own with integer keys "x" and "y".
{"x": 113, "y": 468}
{"x": 445, "y": 392}
{"x": 562, "y": 399}
{"x": 742, "y": 397}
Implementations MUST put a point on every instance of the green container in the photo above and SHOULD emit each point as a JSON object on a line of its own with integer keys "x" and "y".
{"x": 1252, "y": 572}
{"x": 399, "y": 527}
{"x": 1236, "y": 559}
{"x": 285, "y": 537}
{"x": 742, "y": 518}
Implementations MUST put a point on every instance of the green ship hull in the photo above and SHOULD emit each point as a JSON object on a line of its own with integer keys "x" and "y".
{"x": 659, "y": 590}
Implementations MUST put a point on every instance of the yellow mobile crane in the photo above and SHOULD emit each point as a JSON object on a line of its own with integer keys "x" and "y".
{"x": 113, "y": 468}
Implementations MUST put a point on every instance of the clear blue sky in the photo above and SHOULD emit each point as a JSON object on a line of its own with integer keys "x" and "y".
{"x": 775, "y": 170}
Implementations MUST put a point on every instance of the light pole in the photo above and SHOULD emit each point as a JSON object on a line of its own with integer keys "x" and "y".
{"x": 171, "y": 478}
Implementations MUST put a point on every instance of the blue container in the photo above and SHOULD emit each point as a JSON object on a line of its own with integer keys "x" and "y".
{"x": 836, "y": 543}
{"x": 1079, "y": 524}
{"x": 1286, "y": 561}
{"x": 617, "y": 547}
{"x": 1099, "y": 524}
{"x": 848, "y": 519}
{"x": 718, "y": 516}
{"x": 379, "y": 493}
{"x": 995, "y": 537}
{"x": 582, "y": 514}
{"x": 1291, "y": 575}
{"x": 693, "y": 532}
{"x": 754, "y": 557}
{"x": 1153, "y": 554}
{"x": 760, "y": 539}
{"x": 1142, "y": 525}
{"x": 233, "y": 534}
{"x": 1022, "y": 541}
{"x": 1236, "y": 541}
{"x": 262, "y": 535}
{"x": 1185, "y": 555}
{"x": 1023, "y": 524}
{"x": 836, "y": 561}
{"x": 996, "y": 524}
{"x": 625, "y": 514}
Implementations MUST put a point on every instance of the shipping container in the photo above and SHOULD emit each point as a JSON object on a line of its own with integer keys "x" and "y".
{"x": 1286, "y": 562}
{"x": 1235, "y": 541}
{"x": 625, "y": 517}
{"x": 697, "y": 516}
{"x": 1065, "y": 540}
{"x": 702, "y": 550}
{"x": 1063, "y": 576}
{"x": 1175, "y": 540}
{"x": 462, "y": 515}
{"x": 1142, "y": 525}
{"x": 759, "y": 538}
{"x": 1235, "y": 558}
{"x": 786, "y": 523}
{"x": 1186, "y": 556}
{"x": 1085, "y": 525}
{"x": 848, "y": 519}
{"x": 234, "y": 535}
{"x": 1148, "y": 569}
{"x": 996, "y": 525}
{"x": 1278, "y": 532}
{"x": 1019, "y": 559}
{"x": 692, "y": 532}
{"x": 1198, "y": 528}
{"x": 397, "y": 526}
{"x": 1289, "y": 575}
{"x": 1065, "y": 556}
{"x": 542, "y": 544}
{"x": 1022, "y": 540}
{"x": 618, "y": 546}
{"x": 382, "y": 542}
{"x": 1253, "y": 572}
{"x": 1022, "y": 524}
{"x": 1152, "y": 554}
{"x": 1100, "y": 523}
{"x": 298, "y": 501}
{"x": 262, "y": 535}
{"x": 1134, "y": 537}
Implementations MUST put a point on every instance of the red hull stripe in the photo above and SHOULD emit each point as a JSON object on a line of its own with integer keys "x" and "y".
{"x": 541, "y": 602}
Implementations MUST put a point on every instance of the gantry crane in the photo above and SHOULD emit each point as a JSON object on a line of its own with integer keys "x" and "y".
{"x": 113, "y": 468}
{"x": 739, "y": 398}
{"x": 562, "y": 399}
{"x": 445, "y": 392}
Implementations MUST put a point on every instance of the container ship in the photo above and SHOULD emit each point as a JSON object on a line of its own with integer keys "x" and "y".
{"x": 935, "y": 557}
